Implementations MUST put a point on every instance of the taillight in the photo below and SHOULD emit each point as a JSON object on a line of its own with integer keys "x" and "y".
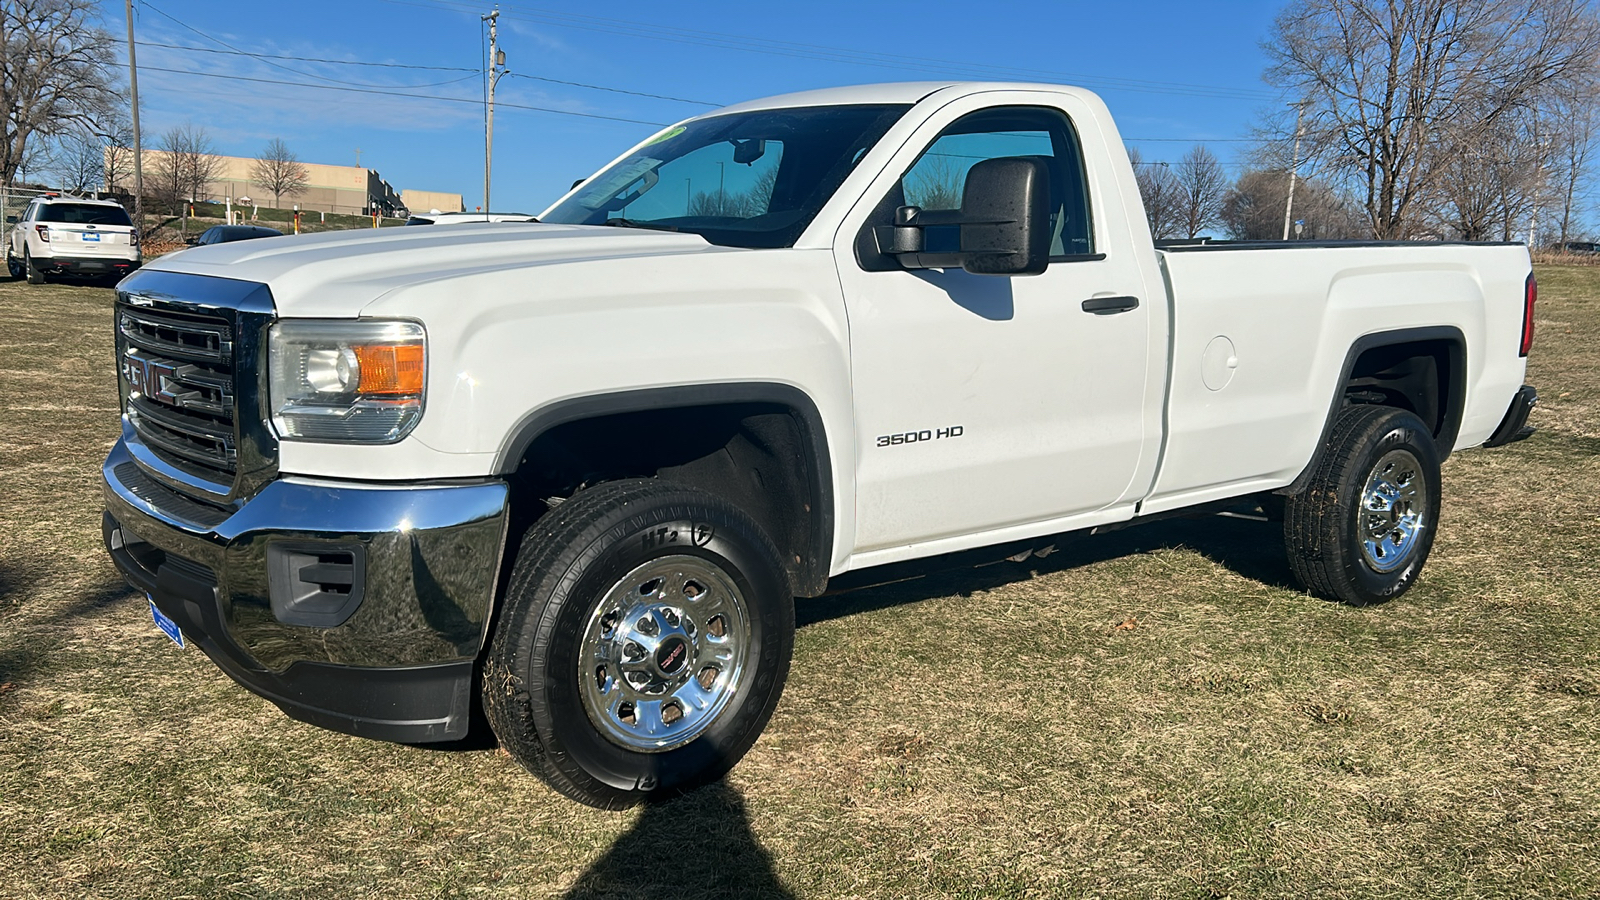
{"x": 1530, "y": 295}
{"x": 133, "y": 237}
{"x": 44, "y": 232}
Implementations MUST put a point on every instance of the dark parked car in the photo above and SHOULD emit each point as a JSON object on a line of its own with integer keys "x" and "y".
{"x": 224, "y": 234}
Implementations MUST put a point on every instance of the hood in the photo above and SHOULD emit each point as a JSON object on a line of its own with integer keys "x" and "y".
{"x": 337, "y": 273}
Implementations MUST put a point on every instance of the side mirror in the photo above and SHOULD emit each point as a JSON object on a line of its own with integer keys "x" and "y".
{"x": 11, "y": 220}
{"x": 1003, "y": 223}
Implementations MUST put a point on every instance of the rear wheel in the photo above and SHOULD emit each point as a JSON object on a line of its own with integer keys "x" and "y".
{"x": 1363, "y": 528}
{"x": 643, "y": 643}
{"x": 35, "y": 274}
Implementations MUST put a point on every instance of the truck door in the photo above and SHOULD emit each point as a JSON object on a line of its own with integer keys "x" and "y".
{"x": 990, "y": 403}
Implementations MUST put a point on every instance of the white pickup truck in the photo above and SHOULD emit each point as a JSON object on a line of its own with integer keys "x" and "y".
{"x": 579, "y": 469}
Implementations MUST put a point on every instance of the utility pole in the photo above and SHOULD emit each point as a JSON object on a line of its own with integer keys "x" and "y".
{"x": 138, "y": 149}
{"x": 497, "y": 68}
{"x": 1294, "y": 165}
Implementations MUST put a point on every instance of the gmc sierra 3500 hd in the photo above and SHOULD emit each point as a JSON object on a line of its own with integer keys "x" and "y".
{"x": 581, "y": 468}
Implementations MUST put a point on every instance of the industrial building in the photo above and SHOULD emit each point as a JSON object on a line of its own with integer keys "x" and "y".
{"x": 334, "y": 189}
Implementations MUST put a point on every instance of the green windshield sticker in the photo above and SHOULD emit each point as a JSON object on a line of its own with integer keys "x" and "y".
{"x": 667, "y": 135}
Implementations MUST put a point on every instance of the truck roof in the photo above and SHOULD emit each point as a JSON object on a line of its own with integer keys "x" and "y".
{"x": 893, "y": 92}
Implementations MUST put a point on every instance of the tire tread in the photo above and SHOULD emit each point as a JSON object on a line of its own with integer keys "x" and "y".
{"x": 546, "y": 560}
{"x": 1314, "y": 520}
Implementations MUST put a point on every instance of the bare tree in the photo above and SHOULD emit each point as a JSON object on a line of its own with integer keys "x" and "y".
{"x": 1253, "y": 209}
{"x": 935, "y": 183}
{"x": 740, "y": 204}
{"x": 1489, "y": 188}
{"x": 1161, "y": 193}
{"x": 1396, "y": 89}
{"x": 185, "y": 163}
{"x": 79, "y": 161}
{"x": 56, "y": 73}
{"x": 279, "y": 171}
{"x": 1203, "y": 185}
{"x": 1578, "y": 123}
{"x": 118, "y": 163}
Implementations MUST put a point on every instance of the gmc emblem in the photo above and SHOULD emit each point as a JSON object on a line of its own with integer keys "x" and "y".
{"x": 148, "y": 378}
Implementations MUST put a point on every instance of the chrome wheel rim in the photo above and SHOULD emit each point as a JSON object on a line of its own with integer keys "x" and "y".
{"x": 663, "y": 653}
{"x": 1394, "y": 510}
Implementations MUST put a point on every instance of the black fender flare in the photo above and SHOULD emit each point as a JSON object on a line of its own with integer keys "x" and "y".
{"x": 1449, "y": 428}
{"x": 813, "y": 436}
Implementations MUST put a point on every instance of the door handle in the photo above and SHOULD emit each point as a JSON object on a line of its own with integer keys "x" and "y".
{"x": 1106, "y": 306}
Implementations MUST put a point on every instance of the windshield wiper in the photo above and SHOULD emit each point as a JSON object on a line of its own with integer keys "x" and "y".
{"x": 634, "y": 223}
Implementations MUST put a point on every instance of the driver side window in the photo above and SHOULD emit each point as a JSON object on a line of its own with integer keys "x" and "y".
{"x": 938, "y": 177}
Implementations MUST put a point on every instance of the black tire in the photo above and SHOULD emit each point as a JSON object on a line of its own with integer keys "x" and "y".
{"x": 571, "y": 564}
{"x": 35, "y": 275}
{"x": 14, "y": 268}
{"x": 1327, "y": 528}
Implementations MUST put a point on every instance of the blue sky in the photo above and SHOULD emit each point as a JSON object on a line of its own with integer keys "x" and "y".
{"x": 1173, "y": 73}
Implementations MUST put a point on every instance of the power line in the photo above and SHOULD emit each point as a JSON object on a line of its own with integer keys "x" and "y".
{"x": 596, "y": 87}
{"x": 362, "y": 90}
{"x": 363, "y": 87}
{"x": 472, "y": 73}
{"x": 314, "y": 59}
{"x": 750, "y": 44}
{"x": 266, "y": 58}
{"x": 158, "y": 10}
{"x": 559, "y": 112}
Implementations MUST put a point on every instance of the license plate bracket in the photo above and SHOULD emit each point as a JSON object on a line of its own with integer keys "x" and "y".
{"x": 165, "y": 623}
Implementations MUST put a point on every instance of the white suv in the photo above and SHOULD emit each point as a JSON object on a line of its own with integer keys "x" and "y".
{"x": 59, "y": 235}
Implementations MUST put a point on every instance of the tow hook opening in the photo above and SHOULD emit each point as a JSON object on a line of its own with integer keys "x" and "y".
{"x": 314, "y": 584}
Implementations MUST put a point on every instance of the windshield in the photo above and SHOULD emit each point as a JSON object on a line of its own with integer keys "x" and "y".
{"x": 753, "y": 179}
{"x": 84, "y": 214}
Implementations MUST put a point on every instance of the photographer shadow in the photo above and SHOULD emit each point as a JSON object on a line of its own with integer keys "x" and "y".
{"x": 699, "y": 845}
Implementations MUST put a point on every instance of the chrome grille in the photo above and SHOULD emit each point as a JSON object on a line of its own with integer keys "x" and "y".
{"x": 178, "y": 388}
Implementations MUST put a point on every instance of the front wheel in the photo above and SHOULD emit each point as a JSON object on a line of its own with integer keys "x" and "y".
{"x": 1362, "y": 529}
{"x": 643, "y": 643}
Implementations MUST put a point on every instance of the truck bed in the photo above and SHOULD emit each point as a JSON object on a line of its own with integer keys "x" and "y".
{"x": 1288, "y": 316}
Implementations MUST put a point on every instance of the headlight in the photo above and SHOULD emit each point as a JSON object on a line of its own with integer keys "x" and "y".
{"x": 347, "y": 382}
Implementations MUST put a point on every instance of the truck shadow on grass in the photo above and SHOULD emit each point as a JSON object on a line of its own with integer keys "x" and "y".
{"x": 698, "y": 845}
{"x": 1250, "y": 548}
{"x": 31, "y": 639}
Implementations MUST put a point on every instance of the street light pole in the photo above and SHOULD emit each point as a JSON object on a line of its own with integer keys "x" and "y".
{"x": 138, "y": 150}
{"x": 1294, "y": 165}
{"x": 497, "y": 62}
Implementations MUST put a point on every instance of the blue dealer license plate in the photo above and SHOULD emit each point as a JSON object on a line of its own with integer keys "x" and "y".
{"x": 91, "y": 237}
{"x": 165, "y": 623}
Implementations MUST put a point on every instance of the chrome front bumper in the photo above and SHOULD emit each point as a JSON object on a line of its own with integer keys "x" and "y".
{"x": 397, "y": 663}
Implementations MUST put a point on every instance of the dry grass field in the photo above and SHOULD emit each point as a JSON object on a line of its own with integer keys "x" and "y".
{"x": 1152, "y": 713}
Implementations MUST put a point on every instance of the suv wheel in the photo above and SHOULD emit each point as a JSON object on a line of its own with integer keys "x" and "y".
{"x": 642, "y": 645}
{"x": 1363, "y": 528}
{"x": 35, "y": 274}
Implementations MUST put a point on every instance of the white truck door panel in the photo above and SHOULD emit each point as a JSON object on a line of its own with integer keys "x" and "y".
{"x": 988, "y": 402}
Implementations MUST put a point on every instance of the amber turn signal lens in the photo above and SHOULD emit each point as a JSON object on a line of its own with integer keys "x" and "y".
{"x": 390, "y": 370}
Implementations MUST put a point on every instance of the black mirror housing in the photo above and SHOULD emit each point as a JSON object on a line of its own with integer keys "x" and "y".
{"x": 1004, "y": 223}
{"x": 1005, "y": 209}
